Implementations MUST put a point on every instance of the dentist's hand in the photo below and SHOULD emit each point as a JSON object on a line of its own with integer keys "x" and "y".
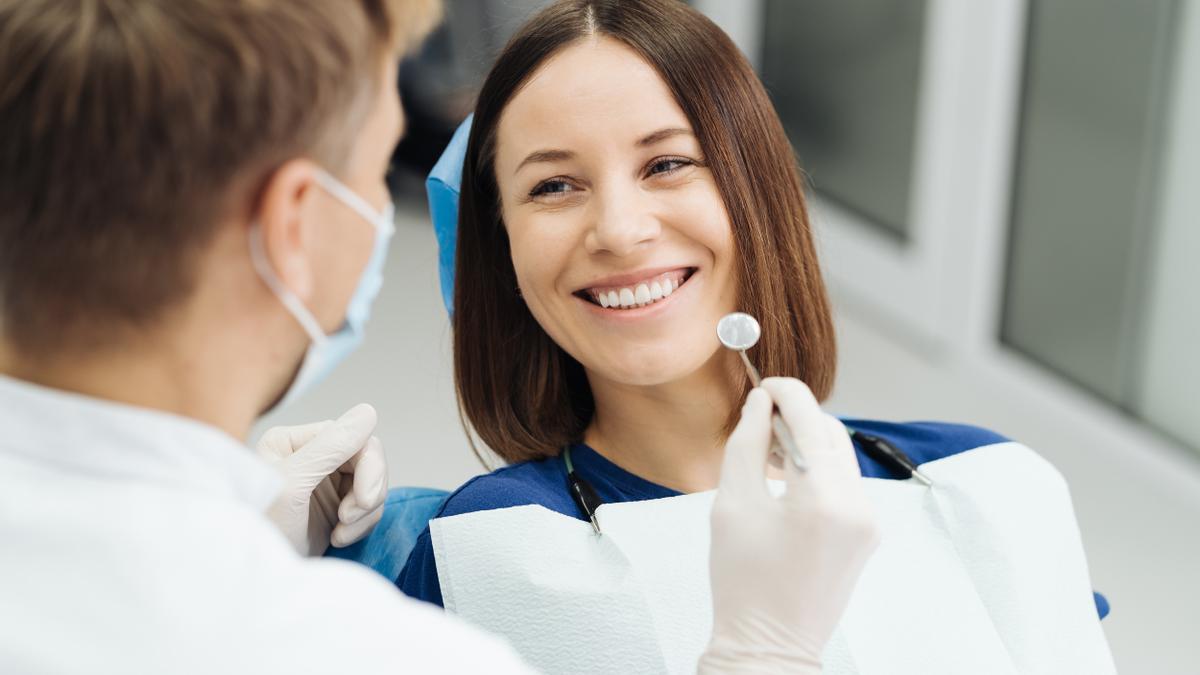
{"x": 783, "y": 568}
{"x": 335, "y": 480}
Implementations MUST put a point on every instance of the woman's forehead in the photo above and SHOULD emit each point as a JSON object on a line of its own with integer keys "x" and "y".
{"x": 594, "y": 89}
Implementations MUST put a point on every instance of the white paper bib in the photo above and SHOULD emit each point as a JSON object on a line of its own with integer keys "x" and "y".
{"x": 982, "y": 574}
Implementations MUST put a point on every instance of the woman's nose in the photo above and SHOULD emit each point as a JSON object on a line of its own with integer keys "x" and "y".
{"x": 621, "y": 223}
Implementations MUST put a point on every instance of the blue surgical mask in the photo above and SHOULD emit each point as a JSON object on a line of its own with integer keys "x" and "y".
{"x": 326, "y": 351}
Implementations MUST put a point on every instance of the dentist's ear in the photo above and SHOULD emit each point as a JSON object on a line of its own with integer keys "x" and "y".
{"x": 287, "y": 240}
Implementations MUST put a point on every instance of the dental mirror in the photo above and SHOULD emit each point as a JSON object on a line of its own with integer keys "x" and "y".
{"x": 740, "y": 331}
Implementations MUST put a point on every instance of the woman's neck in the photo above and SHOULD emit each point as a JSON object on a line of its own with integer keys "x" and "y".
{"x": 671, "y": 434}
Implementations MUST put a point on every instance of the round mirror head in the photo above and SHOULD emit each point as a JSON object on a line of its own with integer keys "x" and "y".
{"x": 738, "y": 331}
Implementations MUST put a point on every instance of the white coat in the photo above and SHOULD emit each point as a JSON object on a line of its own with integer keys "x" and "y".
{"x": 133, "y": 541}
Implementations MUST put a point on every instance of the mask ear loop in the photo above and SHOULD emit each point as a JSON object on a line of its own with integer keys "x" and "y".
{"x": 258, "y": 258}
{"x": 352, "y": 199}
{"x": 292, "y": 303}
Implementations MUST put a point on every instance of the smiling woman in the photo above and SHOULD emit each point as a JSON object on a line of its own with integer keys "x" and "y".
{"x": 626, "y": 184}
{"x": 617, "y": 146}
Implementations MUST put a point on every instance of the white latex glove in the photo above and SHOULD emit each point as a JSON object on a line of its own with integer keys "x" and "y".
{"x": 783, "y": 568}
{"x": 335, "y": 480}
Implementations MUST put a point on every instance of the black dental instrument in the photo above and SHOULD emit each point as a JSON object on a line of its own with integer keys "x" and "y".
{"x": 889, "y": 455}
{"x": 582, "y": 492}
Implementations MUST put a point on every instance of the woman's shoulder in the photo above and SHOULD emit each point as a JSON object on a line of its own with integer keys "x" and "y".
{"x": 540, "y": 482}
{"x": 928, "y": 441}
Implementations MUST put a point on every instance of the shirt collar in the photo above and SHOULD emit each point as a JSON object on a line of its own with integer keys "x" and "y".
{"x": 593, "y": 465}
{"x": 118, "y": 442}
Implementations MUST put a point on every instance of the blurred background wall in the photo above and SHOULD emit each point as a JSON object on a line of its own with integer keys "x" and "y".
{"x": 1006, "y": 196}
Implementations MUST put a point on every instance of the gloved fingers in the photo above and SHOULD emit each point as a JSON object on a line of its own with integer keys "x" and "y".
{"x": 325, "y": 502}
{"x": 843, "y": 456}
{"x": 743, "y": 470}
{"x": 806, "y": 420}
{"x": 347, "y": 533}
{"x": 336, "y": 444}
{"x": 369, "y": 482}
{"x": 850, "y": 487}
{"x": 351, "y": 511}
{"x": 281, "y": 442}
{"x": 369, "y": 469}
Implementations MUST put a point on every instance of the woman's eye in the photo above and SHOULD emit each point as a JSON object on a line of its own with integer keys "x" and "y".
{"x": 664, "y": 166}
{"x": 551, "y": 187}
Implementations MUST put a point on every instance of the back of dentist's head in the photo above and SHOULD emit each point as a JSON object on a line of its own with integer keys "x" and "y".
{"x": 133, "y": 131}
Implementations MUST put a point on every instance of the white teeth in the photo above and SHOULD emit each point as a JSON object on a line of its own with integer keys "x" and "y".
{"x": 627, "y": 298}
{"x": 646, "y": 293}
{"x": 642, "y": 294}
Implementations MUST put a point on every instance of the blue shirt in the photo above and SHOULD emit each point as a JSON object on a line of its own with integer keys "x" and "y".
{"x": 544, "y": 482}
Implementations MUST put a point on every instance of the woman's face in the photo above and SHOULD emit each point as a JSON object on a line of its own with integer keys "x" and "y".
{"x": 620, "y": 241}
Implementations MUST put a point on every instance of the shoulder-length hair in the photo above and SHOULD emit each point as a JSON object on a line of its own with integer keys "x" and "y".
{"x": 524, "y": 396}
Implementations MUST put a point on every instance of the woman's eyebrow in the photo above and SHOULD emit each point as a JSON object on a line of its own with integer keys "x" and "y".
{"x": 663, "y": 134}
{"x": 542, "y": 156}
{"x": 545, "y": 156}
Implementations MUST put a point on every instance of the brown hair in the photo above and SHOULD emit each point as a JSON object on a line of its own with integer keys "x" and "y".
{"x": 525, "y": 397}
{"x": 130, "y": 128}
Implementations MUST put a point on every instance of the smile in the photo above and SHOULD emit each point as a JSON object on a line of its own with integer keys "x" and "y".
{"x": 640, "y": 293}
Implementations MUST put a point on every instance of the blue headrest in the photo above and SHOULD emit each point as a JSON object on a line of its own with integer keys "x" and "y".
{"x": 442, "y": 187}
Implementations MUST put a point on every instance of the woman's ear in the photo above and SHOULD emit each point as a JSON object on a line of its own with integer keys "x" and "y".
{"x": 283, "y": 216}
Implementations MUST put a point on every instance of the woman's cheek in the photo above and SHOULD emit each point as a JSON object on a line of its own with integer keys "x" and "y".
{"x": 536, "y": 273}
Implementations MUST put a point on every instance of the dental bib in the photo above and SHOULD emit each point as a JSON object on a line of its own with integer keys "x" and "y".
{"x": 984, "y": 574}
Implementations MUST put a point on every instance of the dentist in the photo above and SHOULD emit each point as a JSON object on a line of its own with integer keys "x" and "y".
{"x": 193, "y": 226}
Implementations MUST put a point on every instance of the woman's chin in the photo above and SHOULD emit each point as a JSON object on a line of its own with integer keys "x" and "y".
{"x": 649, "y": 370}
